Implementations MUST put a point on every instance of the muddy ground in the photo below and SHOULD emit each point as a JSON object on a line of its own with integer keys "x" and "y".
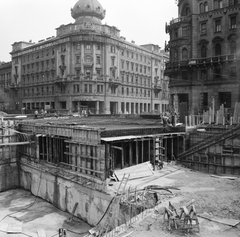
{"x": 214, "y": 197}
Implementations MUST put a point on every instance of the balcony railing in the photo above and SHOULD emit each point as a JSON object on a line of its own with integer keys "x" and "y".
{"x": 114, "y": 82}
{"x": 203, "y": 61}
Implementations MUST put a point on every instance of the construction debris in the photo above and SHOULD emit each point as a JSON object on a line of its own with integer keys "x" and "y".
{"x": 186, "y": 220}
{"x": 224, "y": 177}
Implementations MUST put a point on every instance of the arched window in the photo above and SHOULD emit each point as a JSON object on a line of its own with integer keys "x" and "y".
{"x": 205, "y": 7}
{"x": 201, "y": 8}
{"x": 218, "y": 49}
{"x": 184, "y": 54}
{"x": 203, "y": 51}
{"x": 186, "y": 10}
{"x": 233, "y": 47}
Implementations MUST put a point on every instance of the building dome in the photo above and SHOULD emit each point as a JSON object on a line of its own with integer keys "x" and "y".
{"x": 90, "y": 9}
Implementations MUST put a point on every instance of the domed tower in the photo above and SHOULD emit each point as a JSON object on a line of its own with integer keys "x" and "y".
{"x": 88, "y": 11}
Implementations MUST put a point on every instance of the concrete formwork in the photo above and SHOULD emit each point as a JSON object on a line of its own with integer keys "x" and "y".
{"x": 69, "y": 163}
{"x": 220, "y": 158}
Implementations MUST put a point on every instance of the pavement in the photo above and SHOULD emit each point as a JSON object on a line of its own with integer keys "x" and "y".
{"x": 23, "y": 214}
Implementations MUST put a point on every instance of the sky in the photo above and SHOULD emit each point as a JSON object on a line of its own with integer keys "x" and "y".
{"x": 139, "y": 20}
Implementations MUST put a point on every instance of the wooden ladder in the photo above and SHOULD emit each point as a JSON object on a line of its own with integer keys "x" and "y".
{"x": 111, "y": 214}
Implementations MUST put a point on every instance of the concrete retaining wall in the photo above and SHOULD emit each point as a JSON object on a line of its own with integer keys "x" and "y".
{"x": 8, "y": 175}
{"x": 64, "y": 193}
{"x": 8, "y": 157}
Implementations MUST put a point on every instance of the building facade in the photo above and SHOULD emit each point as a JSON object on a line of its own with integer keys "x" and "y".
{"x": 204, "y": 54}
{"x": 90, "y": 64}
{"x": 5, "y": 83}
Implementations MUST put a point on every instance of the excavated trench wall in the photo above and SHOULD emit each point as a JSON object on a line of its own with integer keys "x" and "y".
{"x": 8, "y": 157}
{"x": 56, "y": 187}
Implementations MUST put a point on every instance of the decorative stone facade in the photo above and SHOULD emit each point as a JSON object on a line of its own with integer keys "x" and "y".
{"x": 90, "y": 64}
{"x": 204, "y": 54}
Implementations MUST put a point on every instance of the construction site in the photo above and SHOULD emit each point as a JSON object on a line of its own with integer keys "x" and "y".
{"x": 122, "y": 175}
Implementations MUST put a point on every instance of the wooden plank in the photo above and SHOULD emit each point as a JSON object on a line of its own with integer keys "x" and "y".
{"x": 136, "y": 171}
{"x": 225, "y": 221}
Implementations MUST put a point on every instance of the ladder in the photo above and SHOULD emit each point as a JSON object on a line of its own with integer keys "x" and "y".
{"x": 113, "y": 208}
{"x": 212, "y": 140}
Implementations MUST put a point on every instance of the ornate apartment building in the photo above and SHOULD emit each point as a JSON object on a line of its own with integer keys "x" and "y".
{"x": 204, "y": 54}
{"x": 5, "y": 82}
{"x": 89, "y": 64}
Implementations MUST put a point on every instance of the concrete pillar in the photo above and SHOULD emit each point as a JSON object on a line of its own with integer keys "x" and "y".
{"x": 130, "y": 154}
{"x": 171, "y": 148}
{"x": 107, "y": 107}
{"x": 97, "y": 107}
{"x": 137, "y": 153}
{"x": 123, "y": 153}
{"x": 165, "y": 146}
{"x": 142, "y": 151}
{"x": 149, "y": 149}
{"x": 154, "y": 151}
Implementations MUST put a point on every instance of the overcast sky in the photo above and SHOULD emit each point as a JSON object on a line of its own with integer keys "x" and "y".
{"x": 140, "y": 20}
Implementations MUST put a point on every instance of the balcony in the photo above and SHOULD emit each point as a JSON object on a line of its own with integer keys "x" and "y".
{"x": 14, "y": 86}
{"x": 60, "y": 81}
{"x": 176, "y": 22}
{"x": 87, "y": 64}
{"x": 157, "y": 88}
{"x": 174, "y": 66}
{"x": 114, "y": 82}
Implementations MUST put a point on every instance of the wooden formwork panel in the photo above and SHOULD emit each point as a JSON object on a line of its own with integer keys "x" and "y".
{"x": 86, "y": 134}
{"x": 87, "y": 159}
{"x": 7, "y": 135}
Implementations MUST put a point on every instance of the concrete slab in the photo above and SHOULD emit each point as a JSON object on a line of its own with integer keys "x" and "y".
{"x": 20, "y": 208}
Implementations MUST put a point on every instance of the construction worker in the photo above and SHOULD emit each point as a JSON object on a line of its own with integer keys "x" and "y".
{"x": 35, "y": 114}
{"x": 62, "y": 232}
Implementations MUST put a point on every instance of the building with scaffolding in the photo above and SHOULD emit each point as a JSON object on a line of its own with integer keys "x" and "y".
{"x": 89, "y": 64}
{"x": 204, "y": 54}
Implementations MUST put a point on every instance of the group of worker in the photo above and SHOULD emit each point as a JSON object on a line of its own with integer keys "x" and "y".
{"x": 169, "y": 119}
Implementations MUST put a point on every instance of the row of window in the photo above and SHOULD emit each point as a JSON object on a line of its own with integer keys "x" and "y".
{"x": 38, "y": 78}
{"x": 88, "y": 88}
{"x": 126, "y": 53}
{"x": 39, "y": 91}
{"x": 184, "y": 31}
{"x": 217, "y": 4}
{"x": 217, "y": 50}
{"x": 39, "y": 66}
{"x": 218, "y": 25}
{"x": 38, "y": 105}
{"x": 5, "y": 76}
